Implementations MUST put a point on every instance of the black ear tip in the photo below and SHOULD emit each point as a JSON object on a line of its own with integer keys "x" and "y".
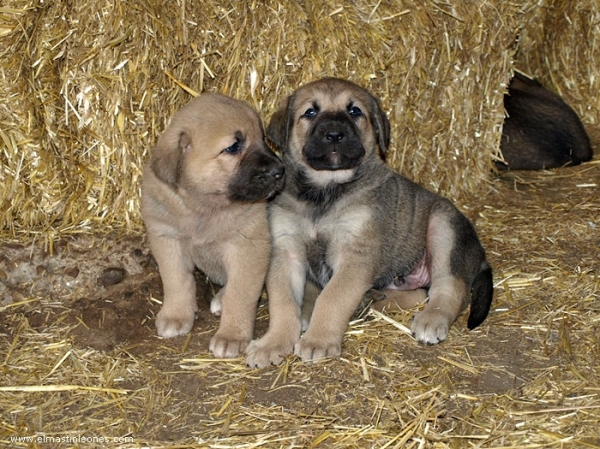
{"x": 278, "y": 128}
{"x": 387, "y": 134}
{"x": 382, "y": 126}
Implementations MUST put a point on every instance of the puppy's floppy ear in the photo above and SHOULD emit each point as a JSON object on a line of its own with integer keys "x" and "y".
{"x": 381, "y": 124}
{"x": 280, "y": 125}
{"x": 167, "y": 157}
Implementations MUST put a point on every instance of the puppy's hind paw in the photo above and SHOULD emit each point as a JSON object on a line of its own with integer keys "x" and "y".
{"x": 430, "y": 327}
{"x": 170, "y": 324}
{"x": 267, "y": 351}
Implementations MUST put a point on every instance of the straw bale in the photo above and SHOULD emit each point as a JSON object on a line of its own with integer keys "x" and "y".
{"x": 86, "y": 88}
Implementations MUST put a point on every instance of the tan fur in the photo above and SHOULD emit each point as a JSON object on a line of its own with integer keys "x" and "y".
{"x": 400, "y": 300}
{"x": 191, "y": 220}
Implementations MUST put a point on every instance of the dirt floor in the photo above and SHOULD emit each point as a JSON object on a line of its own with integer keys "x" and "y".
{"x": 82, "y": 365}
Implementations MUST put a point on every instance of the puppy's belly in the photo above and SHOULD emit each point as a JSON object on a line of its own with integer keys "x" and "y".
{"x": 418, "y": 278}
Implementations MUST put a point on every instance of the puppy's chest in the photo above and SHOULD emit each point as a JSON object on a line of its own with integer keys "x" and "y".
{"x": 333, "y": 236}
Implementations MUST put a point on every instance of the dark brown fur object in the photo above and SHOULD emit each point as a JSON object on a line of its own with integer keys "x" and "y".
{"x": 204, "y": 203}
{"x": 347, "y": 223}
{"x": 541, "y": 130}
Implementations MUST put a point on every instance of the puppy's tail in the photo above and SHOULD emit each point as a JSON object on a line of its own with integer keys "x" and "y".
{"x": 482, "y": 291}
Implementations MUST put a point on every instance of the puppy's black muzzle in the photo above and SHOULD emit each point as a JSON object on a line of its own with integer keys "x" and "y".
{"x": 334, "y": 143}
{"x": 260, "y": 176}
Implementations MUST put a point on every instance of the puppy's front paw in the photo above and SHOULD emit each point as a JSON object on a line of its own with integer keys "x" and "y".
{"x": 223, "y": 345}
{"x": 430, "y": 326}
{"x": 268, "y": 350}
{"x": 309, "y": 348}
{"x": 170, "y": 323}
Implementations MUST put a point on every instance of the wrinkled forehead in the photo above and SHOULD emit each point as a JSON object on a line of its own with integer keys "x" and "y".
{"x": 235, "y": 115}
{"x": 331, "y": 96}
{"x": 242, "y": 122}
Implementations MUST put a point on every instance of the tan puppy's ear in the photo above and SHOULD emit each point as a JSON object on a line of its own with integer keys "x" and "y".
{"x": 382, "y": 126}
{"x": 167, "y": 156}
{"x": 280, "y": 125}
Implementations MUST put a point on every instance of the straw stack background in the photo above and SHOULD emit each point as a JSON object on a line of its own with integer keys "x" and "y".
{"x": 87, "y": 87}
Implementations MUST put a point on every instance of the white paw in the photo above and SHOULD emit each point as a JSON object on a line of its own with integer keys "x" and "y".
{"x": 268, "y": 350}
{"x": 171, "y": 324}
{"x": 223, "y": 345}
{"x": 430, "y": 326}
{"x": 309, "y": 348}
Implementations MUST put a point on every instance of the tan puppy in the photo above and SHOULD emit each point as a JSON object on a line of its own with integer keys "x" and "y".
{"x": 204, "y": 203}
{"x": 347, "y": 223}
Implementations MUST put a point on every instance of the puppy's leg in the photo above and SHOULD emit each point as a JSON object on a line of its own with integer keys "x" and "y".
{"x": 448, "y": 294}
{"x": 333, "y": 309}
{"x": 285, "y": 286}
{"x": 176, "y": 317}
{"x": 400, "y": 299}
{"x": 239, "y": 297}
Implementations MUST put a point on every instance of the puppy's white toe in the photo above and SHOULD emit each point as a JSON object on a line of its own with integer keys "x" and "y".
{"x": 305, "y": 323}
{"x": 215, "y": 306}
{"x": 215, "y": 303}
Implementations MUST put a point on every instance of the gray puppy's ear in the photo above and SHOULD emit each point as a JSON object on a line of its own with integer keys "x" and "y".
{"x": 382, "y": 126}
{"x": 167, "y": 157}
{"x": 280, "y": 125}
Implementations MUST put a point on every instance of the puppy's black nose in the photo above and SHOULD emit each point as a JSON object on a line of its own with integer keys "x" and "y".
{"x": 277, "y": 172}
{"x": 334, "y": 136}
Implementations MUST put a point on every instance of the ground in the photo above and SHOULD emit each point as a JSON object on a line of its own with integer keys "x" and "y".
{"x": 81, "y": 360}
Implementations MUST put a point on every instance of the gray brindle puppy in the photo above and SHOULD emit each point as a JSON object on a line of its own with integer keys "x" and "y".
{"x": 346, "y": 223}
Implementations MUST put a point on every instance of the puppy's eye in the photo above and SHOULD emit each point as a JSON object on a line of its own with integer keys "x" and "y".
{"x": 355, "y": 111}
{"x": 233, "y": 149}
{"x": 310, "y": 113}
